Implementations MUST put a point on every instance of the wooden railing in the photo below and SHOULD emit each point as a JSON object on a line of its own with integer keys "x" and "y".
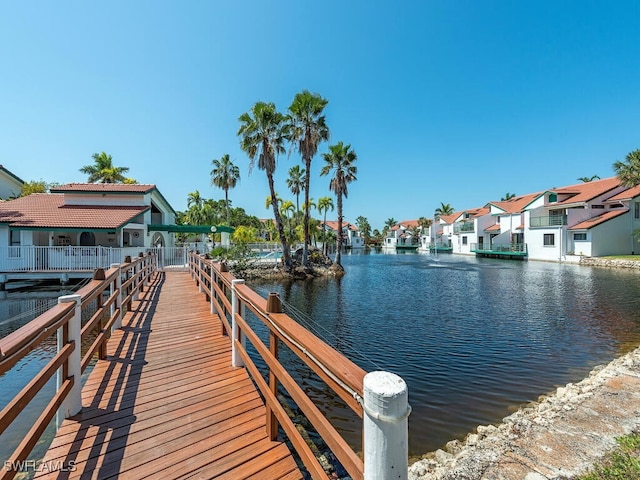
{"x": 384, "y": 414}
{"x": 120, "y": 284}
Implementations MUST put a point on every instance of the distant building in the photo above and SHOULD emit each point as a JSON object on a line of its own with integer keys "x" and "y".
{"x": 10, "y": 184}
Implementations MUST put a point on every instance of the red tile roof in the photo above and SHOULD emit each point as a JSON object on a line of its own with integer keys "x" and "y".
{"x": 333, "y": 225}
{"x": 516, "y": 204}
{"x": 592, "y": 222}
{"x": 449, "y": 219}
{"x": 104, "y": 187}
{"x": 493, "y": 228}
{"x": 47, "y": 210}
{"x": 478, "y": 212}
{"x": 627, "y": 194}
{"x": 406, "y": 224}
{"x": 586, "y": 191}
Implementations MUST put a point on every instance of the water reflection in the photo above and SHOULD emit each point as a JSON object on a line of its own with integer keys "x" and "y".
{"x": 473, "y": 338}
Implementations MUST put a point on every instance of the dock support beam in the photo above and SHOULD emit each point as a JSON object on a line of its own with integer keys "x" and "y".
{"x": 385, "y": 420}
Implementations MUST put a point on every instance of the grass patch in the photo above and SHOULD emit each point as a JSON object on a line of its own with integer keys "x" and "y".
{"x": 621, "y": 464}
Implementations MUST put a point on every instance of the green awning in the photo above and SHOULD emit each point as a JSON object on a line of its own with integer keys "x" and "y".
{"x": 190, "y": 228}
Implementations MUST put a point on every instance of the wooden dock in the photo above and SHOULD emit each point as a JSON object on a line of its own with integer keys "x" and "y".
{"x": 166, "y": 402}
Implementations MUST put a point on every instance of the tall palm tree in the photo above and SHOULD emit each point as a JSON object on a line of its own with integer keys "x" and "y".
{"x": 225, "y": 175}
{"x": 444, "y": 209}
{"x": 103, "y": 170}
{"x": 296, "y": 183}
{"x": 324, "y": 204}
{"x": 629, "y": 171}
{"x": 262, "y": 133}
{"x": 308, "y": 130}
{"x": 341, "y": 160}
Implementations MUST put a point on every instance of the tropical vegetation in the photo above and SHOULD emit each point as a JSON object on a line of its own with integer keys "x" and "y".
{"x": 628, "y": 171}
{"x": 340, "y": 162}
{"x": 263, "y": 132}
{"x": 225, "y": 175}
{"x": 104, "y": 171}
{"x": 308, "y": 128}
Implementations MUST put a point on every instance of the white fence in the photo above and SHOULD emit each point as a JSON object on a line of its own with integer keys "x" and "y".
{"x": 69, "y": 259}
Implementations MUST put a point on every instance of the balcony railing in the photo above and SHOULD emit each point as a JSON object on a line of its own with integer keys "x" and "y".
{"x": 548, "y": 221}
{"x": 464, "y": 227}
{"x": 500, "y": 248}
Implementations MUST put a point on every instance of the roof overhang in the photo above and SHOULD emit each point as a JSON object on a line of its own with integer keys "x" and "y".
{"x": 190, "y": 228}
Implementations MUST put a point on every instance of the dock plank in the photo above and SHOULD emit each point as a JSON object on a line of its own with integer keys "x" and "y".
{"x": 166, "y": 403}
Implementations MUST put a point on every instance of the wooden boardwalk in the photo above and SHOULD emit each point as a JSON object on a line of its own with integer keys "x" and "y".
{"x": 166, "y": 402}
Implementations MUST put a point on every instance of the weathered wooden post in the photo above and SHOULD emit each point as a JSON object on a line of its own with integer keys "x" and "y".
{"x": 274, "y": 305}
{"x": 117, "y": 304}
{"x": 385, "y": 430}
{"x": 212, "y": 272}
{"x": 69, "y": 333}
{"x": 127, "y": 260}
{"x": 236, "y": 335}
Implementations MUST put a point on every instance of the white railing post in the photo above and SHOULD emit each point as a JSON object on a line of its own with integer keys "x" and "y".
{"x": 118, "y": 302}
{"x": 385, "y": 426}
{"x": 72, "y": 404}
{"x": 213, "y": 291}
{"x": 236, "y": 361}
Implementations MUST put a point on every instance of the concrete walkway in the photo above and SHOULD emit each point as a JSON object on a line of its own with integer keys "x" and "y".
{"x": 560, "y": 437}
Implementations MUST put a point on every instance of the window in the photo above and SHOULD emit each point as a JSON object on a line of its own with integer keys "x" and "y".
{"x": 464, "y": 240}
{"x": 579, "y": 236}
{"x": 597, "y": 207}
{"x": 553, "y": 198}
{"x": 14, "y": 239}
{"x": 549, "y": 239}
{"x": 636, "y": 210}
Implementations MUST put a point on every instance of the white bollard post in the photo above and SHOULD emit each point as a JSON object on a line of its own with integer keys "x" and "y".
{"x": 385, "y": 426}
{"x": 72, "y": 404}
{"x": 118, "y": 303}
{"x": 236, "y": 361}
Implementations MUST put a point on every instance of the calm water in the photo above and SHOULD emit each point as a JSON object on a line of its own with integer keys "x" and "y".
{"x": 473, "y": 338}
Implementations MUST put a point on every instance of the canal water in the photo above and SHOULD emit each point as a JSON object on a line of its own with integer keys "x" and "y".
{"x": 474, "y": 339}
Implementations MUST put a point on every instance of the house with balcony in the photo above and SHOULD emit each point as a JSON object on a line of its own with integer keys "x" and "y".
{"x": 80, "y": 226}
{"x": 585, "y": 219}
{"x": 404, "y": 235}
{"x": 351, "y": 237}
{"x": 468, "y": 229}
{"x": 504, "y": 235}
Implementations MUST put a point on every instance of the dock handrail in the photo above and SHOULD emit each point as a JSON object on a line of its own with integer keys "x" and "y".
{"x": 230, "y": 298}
{"x": 64, "y": 321}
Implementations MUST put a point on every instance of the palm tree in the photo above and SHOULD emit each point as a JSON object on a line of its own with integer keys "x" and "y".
{"x": 340, "y": 159}
{"x": 424, "y": 223}
{"x": 508, "y": 196}
{"x": 444, "y": 209}
{"x": 262, "y": 133}
{"x": 225, "y": 175}
{"x": 296, "y": 183}
{"x": 388, "y": 224}
{"x": 324, "y": 204}
{"x": 103, "y": 170}
{"x": 629, "y": 171}
{"x": 286, "y": 209}
{"x": 308, "y": 130}
{"x": 589, "y": 179}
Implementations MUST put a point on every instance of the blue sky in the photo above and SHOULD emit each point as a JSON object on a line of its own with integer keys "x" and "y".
{"x": 443, "y": 101}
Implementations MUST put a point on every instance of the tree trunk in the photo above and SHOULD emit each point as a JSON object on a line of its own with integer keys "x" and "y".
{"x": 339, "y": 240}
{"x": 226, "y": 203}
{"x": 286, "y": 254}
{"x": 305, "y": 223}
